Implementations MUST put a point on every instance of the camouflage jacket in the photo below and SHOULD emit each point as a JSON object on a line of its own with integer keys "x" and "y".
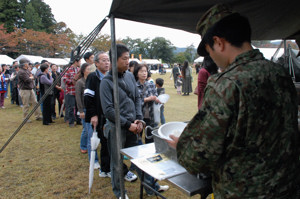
{"x": 245, "y": 133}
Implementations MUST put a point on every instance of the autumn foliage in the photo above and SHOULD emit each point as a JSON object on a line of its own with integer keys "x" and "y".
{"x": 27, "y": 41}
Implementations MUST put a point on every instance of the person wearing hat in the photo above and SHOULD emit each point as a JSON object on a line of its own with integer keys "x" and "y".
{"x": 245, "y": 133}
{"x": 26, "y": 85}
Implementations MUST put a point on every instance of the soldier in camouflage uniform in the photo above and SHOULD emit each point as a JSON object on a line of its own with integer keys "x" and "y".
{"x": 245, "y": 133}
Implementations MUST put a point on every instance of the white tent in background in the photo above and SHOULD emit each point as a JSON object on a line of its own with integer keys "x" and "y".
{"x": 4, "y": 59}
{"x": 31, "y": 58}
{"x": 68, "y": 60}
{"x": 199, "y": 60}
{"x": 135, "y": 59}
{"x": 151, "y": 61}
{"x": 57, "y": 61}
{"x": 269, "y": 53}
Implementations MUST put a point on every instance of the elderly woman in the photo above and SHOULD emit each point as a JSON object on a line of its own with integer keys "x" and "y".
{"x": 46, "y": 80}
{"x": 148, "y": 95}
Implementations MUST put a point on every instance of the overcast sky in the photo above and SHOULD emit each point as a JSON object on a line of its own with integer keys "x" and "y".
{"x": 84, "y": 16}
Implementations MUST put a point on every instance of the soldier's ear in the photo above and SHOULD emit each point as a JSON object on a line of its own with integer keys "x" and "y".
{"x": 219, "y": 43}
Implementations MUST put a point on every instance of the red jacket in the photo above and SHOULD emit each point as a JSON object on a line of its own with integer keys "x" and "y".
{"x": 203, "y": 75}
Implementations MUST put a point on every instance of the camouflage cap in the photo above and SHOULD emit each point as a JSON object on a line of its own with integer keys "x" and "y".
{"x": 210, "y": 18}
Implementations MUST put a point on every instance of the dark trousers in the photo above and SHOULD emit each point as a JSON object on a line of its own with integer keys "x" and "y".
{"x": 77, "y": 118}
{"x": 47, "y": 110}
{"x": 15, "y": 96}
{"x": 53, "y": 102}
{"x": 70, "y": 108}
{"x": 104, "y": 153}
{"x": 128, "y": 139}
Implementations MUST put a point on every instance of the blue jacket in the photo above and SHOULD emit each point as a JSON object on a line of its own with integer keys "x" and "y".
{"x": 3, "y": 83}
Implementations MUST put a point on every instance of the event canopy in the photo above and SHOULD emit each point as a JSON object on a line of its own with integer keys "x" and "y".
{"x": 269, "y": 20}
{"x": 4, "y": 59}
{"x": 31, "y": 58}
{"x": 151, "y": 61}
{"x": 57, "y": 61}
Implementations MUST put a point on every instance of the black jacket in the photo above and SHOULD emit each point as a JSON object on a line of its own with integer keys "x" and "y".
{"x": 92, "y": 99}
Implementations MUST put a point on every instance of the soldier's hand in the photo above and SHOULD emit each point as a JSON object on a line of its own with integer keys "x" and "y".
{"x": 173, "y": 143}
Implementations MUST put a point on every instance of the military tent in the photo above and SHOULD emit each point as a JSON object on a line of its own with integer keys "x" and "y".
{"x": 269, "y": 19}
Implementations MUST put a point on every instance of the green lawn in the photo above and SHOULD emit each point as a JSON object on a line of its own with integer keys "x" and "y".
{"x": 45, "y": 161}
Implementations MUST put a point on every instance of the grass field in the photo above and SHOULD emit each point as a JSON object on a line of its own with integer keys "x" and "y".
{"x": 45, "y": 161}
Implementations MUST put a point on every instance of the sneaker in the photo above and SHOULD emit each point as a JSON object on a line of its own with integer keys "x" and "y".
{"x": 3, "y": 107}
{"x": 130, "y": 177}
{"x": 21, "y": 106}
{"x": 126, "y": 197}
{"x": 163, "y": 188}
{"x": 83, "y": 151}
{"x": 28, "y": 121}
{"x": 96, "y": 165}
{"x": 103, "y": 174}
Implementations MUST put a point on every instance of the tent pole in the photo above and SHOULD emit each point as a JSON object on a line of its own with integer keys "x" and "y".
{"x": 285, "y": 53}
{"x": 117, "y": 142}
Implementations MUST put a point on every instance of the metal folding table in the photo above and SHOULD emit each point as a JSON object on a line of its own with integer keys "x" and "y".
{"x": 187, "y": 183}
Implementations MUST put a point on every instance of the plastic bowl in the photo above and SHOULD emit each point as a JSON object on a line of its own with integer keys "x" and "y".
{"x": 171, "y": 128}
{"x": 163, "y": 98}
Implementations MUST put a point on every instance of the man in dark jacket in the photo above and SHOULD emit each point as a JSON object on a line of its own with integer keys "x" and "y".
{"x": 94, "y": 114}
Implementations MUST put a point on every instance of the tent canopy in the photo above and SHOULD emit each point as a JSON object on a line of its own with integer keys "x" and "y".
{"x": 4, "y": 59}
{"x": 57, "y": 61}
{"x": 269, "y": 20}
{"x": 151, "y": 61}
{"x": 31, "y": 58}
{"x": 199, "y": 60}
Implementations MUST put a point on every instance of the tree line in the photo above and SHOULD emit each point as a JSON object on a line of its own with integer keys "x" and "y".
{"x": 29, "y": 27}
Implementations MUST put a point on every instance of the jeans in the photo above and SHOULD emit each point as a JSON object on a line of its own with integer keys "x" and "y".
{"x": 128, "y": 139}
{"x": 84, "y": 135}
{"x": 41, "y": 105}
{"x": 70, "y": 108}
{"x": 90, "y": 134}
